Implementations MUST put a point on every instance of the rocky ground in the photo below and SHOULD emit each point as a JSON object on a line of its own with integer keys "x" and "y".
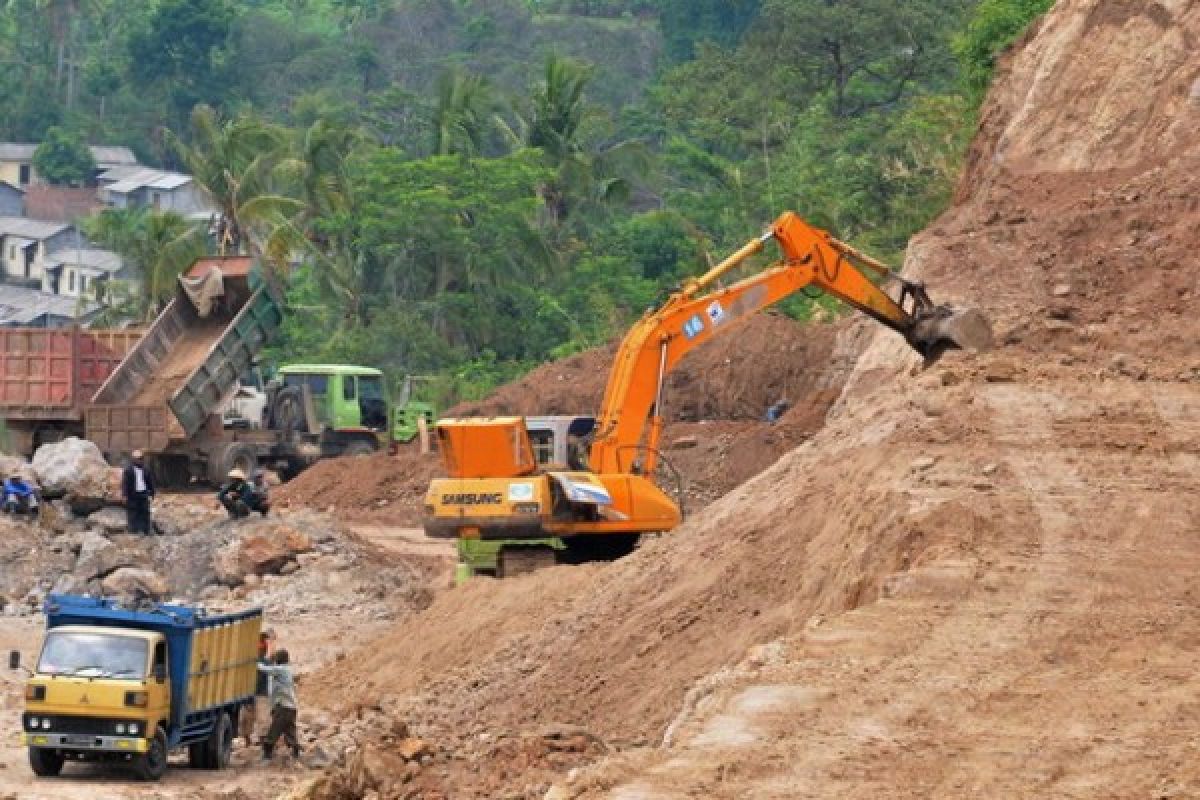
{"x": 325, "y": 588}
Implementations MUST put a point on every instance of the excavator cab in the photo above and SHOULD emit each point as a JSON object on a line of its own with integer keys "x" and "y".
{"x": 560, "y": 442}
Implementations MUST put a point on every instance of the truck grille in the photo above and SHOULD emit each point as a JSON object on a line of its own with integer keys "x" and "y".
{"x": 64, "y": 724}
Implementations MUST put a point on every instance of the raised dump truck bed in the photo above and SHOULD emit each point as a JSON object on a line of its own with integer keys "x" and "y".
{"x": 48, "y": 376}
{"x": 169, "y": 390}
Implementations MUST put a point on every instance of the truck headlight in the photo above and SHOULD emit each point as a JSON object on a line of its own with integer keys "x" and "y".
{"x": 133, "y": 728}
{"x": 45, "y": 723}
{"x": 120, "y": 729}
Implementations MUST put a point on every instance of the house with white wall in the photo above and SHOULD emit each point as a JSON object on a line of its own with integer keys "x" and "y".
{"x": 25, "y": 245}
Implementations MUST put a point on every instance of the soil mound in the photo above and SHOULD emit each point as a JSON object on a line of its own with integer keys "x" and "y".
{"x": 385, "y": 487}
{"x": 736, "y": 377}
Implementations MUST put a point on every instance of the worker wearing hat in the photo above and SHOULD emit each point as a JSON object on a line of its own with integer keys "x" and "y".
{"x": 137, "y": 489}
{"x": 240, "y": 497}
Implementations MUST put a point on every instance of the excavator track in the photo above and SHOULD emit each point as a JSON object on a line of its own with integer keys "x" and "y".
{"x": 514, "y": 561}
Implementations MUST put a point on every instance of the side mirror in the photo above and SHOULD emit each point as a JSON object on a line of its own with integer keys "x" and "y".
{"x": 160, "y": 673}
{"x": 14, "y": 659}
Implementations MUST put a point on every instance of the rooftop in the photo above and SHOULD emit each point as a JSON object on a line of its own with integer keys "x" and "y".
{"x": 30, "y": 228}
{"x": 19, "y": 306}
{"x": 104, "y": 155}
{"x": 126, "y": 179}
{"x": 87, "y": 257}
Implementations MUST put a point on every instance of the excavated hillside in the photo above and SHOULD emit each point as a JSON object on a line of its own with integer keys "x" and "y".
{"x": 976, "y": 580}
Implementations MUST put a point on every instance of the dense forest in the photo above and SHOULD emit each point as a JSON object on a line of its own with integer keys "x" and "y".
{"x": 465, "y": 188}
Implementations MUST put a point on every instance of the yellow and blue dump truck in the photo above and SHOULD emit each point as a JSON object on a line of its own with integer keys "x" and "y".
{"x": 132, "y": 685}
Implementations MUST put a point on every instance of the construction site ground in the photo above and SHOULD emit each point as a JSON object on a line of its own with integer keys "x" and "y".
{"x": 975, "y": 578}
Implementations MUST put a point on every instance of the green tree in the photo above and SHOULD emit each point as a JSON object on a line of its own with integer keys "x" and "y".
{"x": 64, "y": 159}
{"x": 463, "y": 114}
{"x": 234, "y": 161}
{"x": 454, "y": 238}
{"x": 994, "y": 25}
{"x": 592, "y": 175}
{"x": 181, "y": 50}
{"x": 158, "y": 245}
{"x": 862, "y": 54}
{"x": 686, "y": 23}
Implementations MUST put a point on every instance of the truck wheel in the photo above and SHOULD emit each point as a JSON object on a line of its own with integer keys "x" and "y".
{"x": 288, "y": 415}
{"x": 233, "y": 455}
{"x": 45, "y": 763}
{"x": 151, "y": 765}
{"x": 219, "y": 746}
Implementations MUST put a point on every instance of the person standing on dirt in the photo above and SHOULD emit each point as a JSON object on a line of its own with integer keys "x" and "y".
{"x": 261, "y": 688}
{"x": 137, "y": 489}
{"x": 283, "y": 705}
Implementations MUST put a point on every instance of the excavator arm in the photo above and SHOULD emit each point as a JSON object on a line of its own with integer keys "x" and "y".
{"x": 696, "y": 313}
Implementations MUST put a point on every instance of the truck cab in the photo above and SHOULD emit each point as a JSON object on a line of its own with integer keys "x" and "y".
{"x": 95, "y": 690}
{"x": 129, "y": 686}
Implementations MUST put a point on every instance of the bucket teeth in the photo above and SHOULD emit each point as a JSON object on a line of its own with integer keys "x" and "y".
{"x": 946, "y": 328}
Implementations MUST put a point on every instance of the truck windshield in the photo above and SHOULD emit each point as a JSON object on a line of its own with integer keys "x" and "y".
{"x": 370, "y": 387}
{"x": 93, "y": 655}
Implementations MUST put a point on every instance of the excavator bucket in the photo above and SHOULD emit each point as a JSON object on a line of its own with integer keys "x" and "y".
{"x": 945, "y": 328}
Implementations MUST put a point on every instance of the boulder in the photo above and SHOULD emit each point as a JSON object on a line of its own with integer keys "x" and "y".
{"x": 75, "y": 469}
{"x": 109, "y": 521}
{"x": 135, "y": 582}
{"x": 262, "y": 549}
{"x": 375, "y": 769}
{"x": 99, "y": 557}
{"x": 12, "y": 465}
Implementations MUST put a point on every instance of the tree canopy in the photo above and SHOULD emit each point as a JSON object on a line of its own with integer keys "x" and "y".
{"x": 468, "y": 187}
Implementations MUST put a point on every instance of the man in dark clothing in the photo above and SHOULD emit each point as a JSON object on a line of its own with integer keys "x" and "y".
{"x": 137, "y": 489}
{"x": 283, "y": 705}
{"x": 240, "y": 497}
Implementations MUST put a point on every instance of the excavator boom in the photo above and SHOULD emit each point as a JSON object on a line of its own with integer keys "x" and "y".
{"x": 511, "y": 503}
{"x": 697, "y": 312}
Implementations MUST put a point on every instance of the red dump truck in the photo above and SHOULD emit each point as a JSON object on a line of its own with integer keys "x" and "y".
{"x": 48, "y": 377}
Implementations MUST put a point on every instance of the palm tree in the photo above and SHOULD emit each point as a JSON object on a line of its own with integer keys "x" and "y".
{"x": 591, "y": 176}
{"x": 159, "y": 245}
{"x": 463, "y": 113}
{"x": 234, "y": 162}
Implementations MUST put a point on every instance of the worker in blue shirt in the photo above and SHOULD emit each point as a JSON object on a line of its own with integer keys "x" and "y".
{"x": 19, "y": 496}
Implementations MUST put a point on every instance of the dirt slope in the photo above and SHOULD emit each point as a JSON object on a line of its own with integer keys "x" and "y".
{"x": 976, "y": 580}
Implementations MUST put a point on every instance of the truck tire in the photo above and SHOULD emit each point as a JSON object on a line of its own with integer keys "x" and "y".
{"x": 218, "y": 748}
{"x": 45, "y": 763}
{"x": 152, "y": 765}
{"x": 235, "y": 454}
{"x": 287, "y": 412}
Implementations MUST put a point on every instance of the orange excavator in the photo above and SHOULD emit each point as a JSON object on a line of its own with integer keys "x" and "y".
{"x": 525, "y": 492}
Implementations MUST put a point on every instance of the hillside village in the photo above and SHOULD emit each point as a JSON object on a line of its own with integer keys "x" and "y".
{"x": 50, "y": 274}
